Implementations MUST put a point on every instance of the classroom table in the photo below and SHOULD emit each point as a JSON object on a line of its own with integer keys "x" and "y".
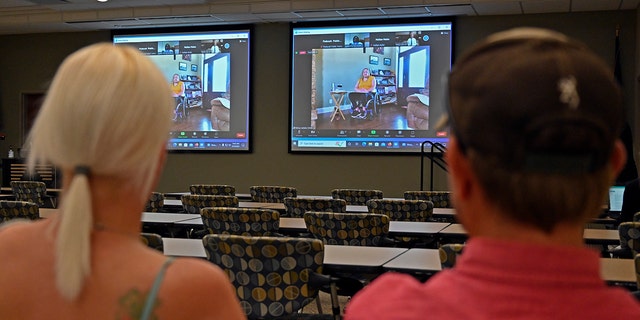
{"x": 343, "y": 258}
{"x": 178, "y": 195}
{"x": 618, "y": 271}
{"x": 591, "y": 236}
{"x": 415, "y": 261}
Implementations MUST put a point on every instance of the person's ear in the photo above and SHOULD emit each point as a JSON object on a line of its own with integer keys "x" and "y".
{"x": 459, "y": 170}
{"x": 618, "y": 157}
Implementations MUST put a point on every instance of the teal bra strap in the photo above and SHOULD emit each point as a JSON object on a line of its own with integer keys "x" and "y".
{"x": 151, "y": 298}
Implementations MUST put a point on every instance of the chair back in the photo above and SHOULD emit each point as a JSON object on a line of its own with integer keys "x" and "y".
{"x": 440, "y": 199}
{"x": 271, "y": 193}
{"x": 630, "y": 236}
{"x": 296, "y": 207}
{"x": 155, "y": 202}
{"x": 32, "y": 191}
{"x": 348, "y": 229}
{"x": 18, "y": 210}
{"x": 356, "y": 196}
{"x": 636, "y": 217}
{"x": 192, "y": 203}
{"x": 241, "y": 221}
{"x": 213, "y": 189}
{"x": 271, "y": 274}
{"x": 152, "y": 240}
{"x": 449, "y": 253}
{"x": 637, "y": 263}
{"x": 402, "y": 210}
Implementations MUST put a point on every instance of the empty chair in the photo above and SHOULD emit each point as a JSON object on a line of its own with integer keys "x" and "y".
{"x": 271, "y": 193}
{"x": 10, "y": 210}
{"x": 402, "y": 210}
{"x": 192, "y": 203}
{"x": 155, "y": 202}
{"x": 33, "y": 191}
{"x": 440, "y": 199}
{"x": 449, "y": 252}
{"x": 213, "y": 189}
{"x": 274, "y": 277}
{"x": 349, "y": 229}
{"x": 629, "y": 239}
{"x": 356, "y": 196}
{"x": 152, "y": 240}
{"x": 296, "y": 207}
{"x": 241, "y": 221}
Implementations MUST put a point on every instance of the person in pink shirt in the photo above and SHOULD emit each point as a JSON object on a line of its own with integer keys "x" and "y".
{"x": 535, "y": 118}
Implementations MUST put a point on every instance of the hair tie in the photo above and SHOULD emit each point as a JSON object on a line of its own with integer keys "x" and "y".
{"x": 83, "y": 170}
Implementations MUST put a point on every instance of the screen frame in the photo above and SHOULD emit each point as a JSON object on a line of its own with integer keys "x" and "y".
{"x": 250, "y": 65}
{"x": 425, "y": 147}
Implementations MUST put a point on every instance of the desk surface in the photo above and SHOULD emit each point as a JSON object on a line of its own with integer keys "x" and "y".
{"x": 159, "y": 217}
{"x": 416, "y": 260}
{"x": 618, "y": 270}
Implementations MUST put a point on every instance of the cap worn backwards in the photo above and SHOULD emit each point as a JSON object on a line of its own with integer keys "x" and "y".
{"x": 535, "y": 100}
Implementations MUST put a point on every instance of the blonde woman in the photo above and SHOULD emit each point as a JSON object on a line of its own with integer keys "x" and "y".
{"x": 104, "y": 123}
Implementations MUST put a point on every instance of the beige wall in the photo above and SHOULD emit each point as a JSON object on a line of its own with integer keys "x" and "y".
{"x": 29, "y": 61}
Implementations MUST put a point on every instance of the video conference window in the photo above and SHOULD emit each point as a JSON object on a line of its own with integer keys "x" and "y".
{"x": 368, "y": 88}
{"x": 209, "y": 76}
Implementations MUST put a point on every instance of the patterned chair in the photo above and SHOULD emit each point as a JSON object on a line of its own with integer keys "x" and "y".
{"x": 155, "y": 202}
{"x": 213, "y": 189}
{"x": 273, "y": 276}
{"x": 402, "y": 210}
{"x": 18, "y": 210}
{"x": 296, "y": 207}
{"x": 152, "y": 240}
{"x": 271, "y": 193}
{"x": 405, "y": 210}
{"x": 449, "y": 252}
{"x": 192, "y": 203}
{"x": 356, "y": 196}
{"x": 636, "y": 217}
{"x": 440, "y": 199}
{"x": 241, "y": 221}
{"x": 629, "y": 238}
{"x": 33, "y": 191}
{"x": 348, "y": 229}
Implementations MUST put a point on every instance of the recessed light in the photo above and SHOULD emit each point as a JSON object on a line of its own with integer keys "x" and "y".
{"x": 103, "y": 0}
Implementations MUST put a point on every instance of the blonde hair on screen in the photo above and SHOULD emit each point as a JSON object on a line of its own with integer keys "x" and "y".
{"x": 108, "y": 111}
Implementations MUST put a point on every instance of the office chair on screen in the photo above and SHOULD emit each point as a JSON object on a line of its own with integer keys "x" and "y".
{"x": 274, "y": 277}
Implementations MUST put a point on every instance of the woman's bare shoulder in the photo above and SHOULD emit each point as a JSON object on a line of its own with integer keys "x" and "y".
{"x": 200, "y": 284}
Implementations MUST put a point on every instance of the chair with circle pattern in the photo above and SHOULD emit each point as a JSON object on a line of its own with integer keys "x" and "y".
{"x": 440, "y": 199}
{"x": 636, "y": 217}
{"x": 449, "y": 252}
{"x": 241, "y": 221}
{"x": 349, "y": 229}
{"x": 405, "y": 210}
{"x": 273, "y": 276}
{"x": 192, "y": 203}
{"x": 296, "y": 207}
{"x": 271, "y": 193}
{"x": 155, "y": 202}
{"x": 402, "y": 210}
{"x": 33, "y": 191}
{"x": 630, "y": 237}
{"x": 213, "y": 189}
{"x": 152, "y": 240}
{"x": 357, "y": 197}
{"x": 10, "y": 210}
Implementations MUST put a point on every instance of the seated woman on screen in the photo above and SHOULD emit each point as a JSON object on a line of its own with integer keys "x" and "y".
{"x": 365, "y": 85}
{"x": 104, "y": 124}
